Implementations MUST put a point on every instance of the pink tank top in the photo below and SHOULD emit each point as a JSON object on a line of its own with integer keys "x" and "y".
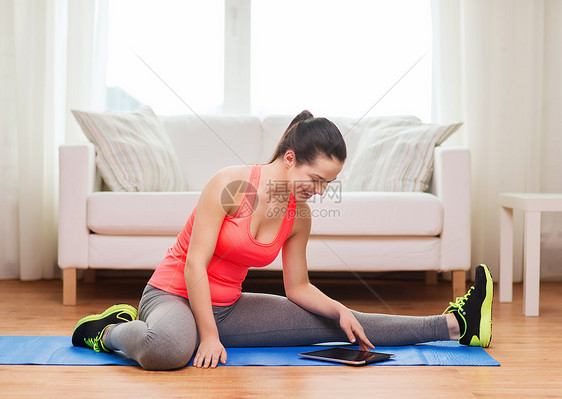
{"x": 235, "y": 252}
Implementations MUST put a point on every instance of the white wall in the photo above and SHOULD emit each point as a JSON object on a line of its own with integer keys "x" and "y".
{"x": 551, "y": 151}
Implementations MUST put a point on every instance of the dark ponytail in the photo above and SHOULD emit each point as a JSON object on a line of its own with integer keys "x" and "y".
{"x": 309, "y": 137}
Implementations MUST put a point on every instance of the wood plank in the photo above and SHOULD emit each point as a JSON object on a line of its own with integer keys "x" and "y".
{"x": 527, "y": 347}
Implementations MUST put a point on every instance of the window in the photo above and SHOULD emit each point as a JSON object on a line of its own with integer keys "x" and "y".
{"x": 340, "y": 57}
{"x": 332, "y": 57}
{"x": 182, "y": 41}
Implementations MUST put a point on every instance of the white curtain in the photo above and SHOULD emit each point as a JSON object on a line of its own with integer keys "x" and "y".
{"x": 496, "y": 68}
{"x": 47, "y": 48}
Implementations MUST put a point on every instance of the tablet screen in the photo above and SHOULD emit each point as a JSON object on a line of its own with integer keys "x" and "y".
{"x": 347, "y": 355}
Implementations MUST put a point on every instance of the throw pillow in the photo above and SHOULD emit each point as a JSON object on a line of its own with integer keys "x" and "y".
{"x": 396, "y": 158}
{"x": 133, "y": 151}
{"x": 354, "y": 131}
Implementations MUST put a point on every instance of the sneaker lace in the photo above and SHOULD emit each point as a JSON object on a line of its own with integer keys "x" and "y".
{"x": 94, "y": 343}
{"x": 460, "y": 301}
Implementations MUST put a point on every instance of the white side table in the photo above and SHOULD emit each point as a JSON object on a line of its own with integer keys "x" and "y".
{"x": 532, "y": 205}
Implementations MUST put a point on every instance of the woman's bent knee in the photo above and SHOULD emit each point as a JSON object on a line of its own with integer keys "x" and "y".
{"x": 153, "y": 358}
{"x": 162, "y": 351}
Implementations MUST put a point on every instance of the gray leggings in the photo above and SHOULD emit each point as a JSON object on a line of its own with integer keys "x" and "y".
{"x": 165, "y": 336}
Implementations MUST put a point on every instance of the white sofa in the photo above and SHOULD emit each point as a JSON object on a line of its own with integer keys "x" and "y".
{"x": 351, "y": 231}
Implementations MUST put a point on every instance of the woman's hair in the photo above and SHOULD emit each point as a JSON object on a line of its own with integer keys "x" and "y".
{"x": 309, "y": 137}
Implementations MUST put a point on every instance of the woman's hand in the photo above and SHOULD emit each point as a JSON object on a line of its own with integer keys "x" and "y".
{"x": 353, "y": 329}
{"x": 209, "y": 352}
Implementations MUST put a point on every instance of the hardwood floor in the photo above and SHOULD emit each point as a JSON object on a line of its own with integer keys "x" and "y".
{"x": 528, "y": 348}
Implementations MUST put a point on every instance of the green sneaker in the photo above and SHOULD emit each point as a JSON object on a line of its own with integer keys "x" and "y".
{"x": 89, "y": 330}
{"x": 474, "y": 310}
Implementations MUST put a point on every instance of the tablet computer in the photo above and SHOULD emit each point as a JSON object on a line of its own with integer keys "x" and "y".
{"x": 349, "y": 356}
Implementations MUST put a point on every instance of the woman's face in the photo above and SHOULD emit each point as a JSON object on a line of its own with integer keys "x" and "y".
{"x": 308, "y": 180}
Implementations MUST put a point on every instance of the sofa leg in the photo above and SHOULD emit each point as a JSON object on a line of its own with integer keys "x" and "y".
{"x": 69, "y": 286}
{"x": 459, "y": 283}
{"x": 430, "y": 277}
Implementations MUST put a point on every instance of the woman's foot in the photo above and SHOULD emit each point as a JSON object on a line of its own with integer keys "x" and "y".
{"x": 474, "y": 310}
{"x": 89, "y": 330}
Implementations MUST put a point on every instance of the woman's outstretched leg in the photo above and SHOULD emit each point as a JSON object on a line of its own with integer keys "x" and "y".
{"x": 271, "y": 320}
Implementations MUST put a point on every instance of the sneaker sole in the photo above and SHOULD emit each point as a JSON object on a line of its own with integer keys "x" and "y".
{"x": 486, "y": 311}
{"x": 128, "y": 309}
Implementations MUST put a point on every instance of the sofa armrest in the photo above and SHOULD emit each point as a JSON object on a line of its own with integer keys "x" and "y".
{"x": 451, "y": 184}
{"x": 77, "y": 180}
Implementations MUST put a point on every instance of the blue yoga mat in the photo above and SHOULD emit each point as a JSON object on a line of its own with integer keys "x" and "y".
{"x": 58, "y": 350}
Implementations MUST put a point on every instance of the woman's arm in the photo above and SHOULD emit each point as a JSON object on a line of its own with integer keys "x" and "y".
{"x": 210, "y": 349}
{"x": 209, "y": 217}
{"x": 299, "y": 289}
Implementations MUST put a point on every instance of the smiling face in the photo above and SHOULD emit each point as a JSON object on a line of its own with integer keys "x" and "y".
{"x": 307, "y": 180}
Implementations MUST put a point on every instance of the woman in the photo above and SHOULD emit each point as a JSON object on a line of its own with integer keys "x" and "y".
{"x": 193, "y": 303}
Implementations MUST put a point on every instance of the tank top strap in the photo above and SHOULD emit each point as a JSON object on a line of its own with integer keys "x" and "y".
{"x": 291, "y": 208}
{"x": 252, "y": 188}
{"x": 288, "y": 219}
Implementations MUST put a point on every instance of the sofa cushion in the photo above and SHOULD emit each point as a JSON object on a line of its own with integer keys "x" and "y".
{"x": 133, "y": 152}
{"x": 322, "y": 253}
{"x": 139, "y": 213}
{"x": 376, "y": 213}
{"x": 127, "y": 252}
{"x": 208, "y": 143}
{"x": 353, "y": 213}
{"x": 384, "y": 253}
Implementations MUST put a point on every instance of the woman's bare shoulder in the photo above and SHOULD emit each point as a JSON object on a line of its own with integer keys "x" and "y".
{"x": 302, "y": 219}
{"x": 236, "y": 172}
{"x": 223, "y": 177}
{"x": 230, "y": 173}
{"x": 221, "y": 181}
